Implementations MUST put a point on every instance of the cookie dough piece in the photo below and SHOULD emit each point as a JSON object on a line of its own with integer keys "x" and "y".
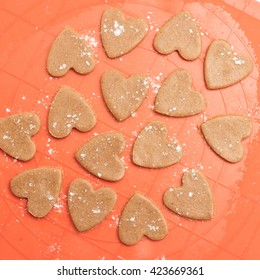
{"x": 15, "y": 135}
{"x": 120, "y": 35}
{"x": 141, "y": 217}
{"x": 152, "y": 149}
{"x": 193, "y": 199}
{"x": 41, "y": 186}
{"x": 223, "y": 67}
{"x": 224, "y": 135}
{"x": 89, "y": 207}
{"x": 180, "y": 33}
{"x": 70, "y": 50}
{"x": 100, "y": 156}
{"x": 123, "y": 96}
{"x": 176, "y": 98}
{"x": 69, "y": 110}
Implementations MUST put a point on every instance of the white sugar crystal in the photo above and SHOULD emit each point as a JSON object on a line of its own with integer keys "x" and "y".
{"x": 238, "y": 61}
{"x": 172, "y": 109}
{"x": 178, "y": 148}
{"x": 118, "y": 29}
{"x": 32, "y": 126}
{"x": 96, "y": 210}
{"x": 132, "y": 219}
{"x": 71, "y": 193}
{"x": 147, "y": 128}
{"x": 153, "y": 228}
{"x": 63, "y": 66}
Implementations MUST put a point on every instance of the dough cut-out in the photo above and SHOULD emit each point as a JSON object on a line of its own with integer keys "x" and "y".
{"x": 100, "y": 156}
{"x": 193, "y": 199}
{"x": 15, "y": 135}
{"x": 69, "y": 110}
{"x": 223, "y": 67}
{"x": 180, "y": 33}
{"x": 89, "y": 207}
{"x": 40, "y": 186}
{"x": 141, "y": 217}
{"x": 70, "y": 50}
{"x": 120, "y": 35}
{"x": 224, "y": 134}
{"x": 152, "y": 149}
{"x": 123, "y": 96}
{"x": 176, "y": 98}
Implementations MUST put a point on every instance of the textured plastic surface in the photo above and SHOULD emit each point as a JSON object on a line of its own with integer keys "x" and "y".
{"x": 27, "y": 31}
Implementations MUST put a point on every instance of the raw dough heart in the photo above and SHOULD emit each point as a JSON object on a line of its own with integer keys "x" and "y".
{"x": 193, "y": 199}
{"x": 123, "y": 96}
{"x": 175, "y": 97}
{"x": 70, "y": 50}
{"x": 15, "y": 135}
{"x": 68, "y": 110}
{"x": 224, "y": 135}
{"x": 152, "y": 149}
{"x": 141, "y": 217}
{"x": 100, "y": 156}
{"x": 41, "y": 186}
{"x": 223, "y": 67}
{"x": 89, "y": 207}
{"x": 180, "y": 33}
{"x": 120, "y": 35}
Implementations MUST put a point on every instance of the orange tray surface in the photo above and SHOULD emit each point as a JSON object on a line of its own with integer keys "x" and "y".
{"x": 27, "y": 31}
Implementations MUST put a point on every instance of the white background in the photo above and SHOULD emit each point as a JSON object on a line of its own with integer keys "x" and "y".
{"x": 47, "y": 270}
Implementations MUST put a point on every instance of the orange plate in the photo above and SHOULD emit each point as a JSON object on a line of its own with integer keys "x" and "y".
{"x": 28, "y": 29}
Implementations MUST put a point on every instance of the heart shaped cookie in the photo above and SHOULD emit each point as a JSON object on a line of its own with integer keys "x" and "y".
{"x": 120, "y": 35}
{"x": 70, "y": 50}
{"x": 223, "y": 67}
{"x": 193, "y": 199}
{"x": 153, "y": 150}
{"x": 123, "y": 96}
{"x": 69, "y": 110}
{"x": 176, "y": 98}
{"x": 224, "y": 135}
{"x": 100, "y": 154}
{"x": 141, "y": 217}
{"x": 41, "y": 186}
{"x": 15, "y": 135}
{"x": 89, "y": 207}
{"x": 180, "y": 33}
